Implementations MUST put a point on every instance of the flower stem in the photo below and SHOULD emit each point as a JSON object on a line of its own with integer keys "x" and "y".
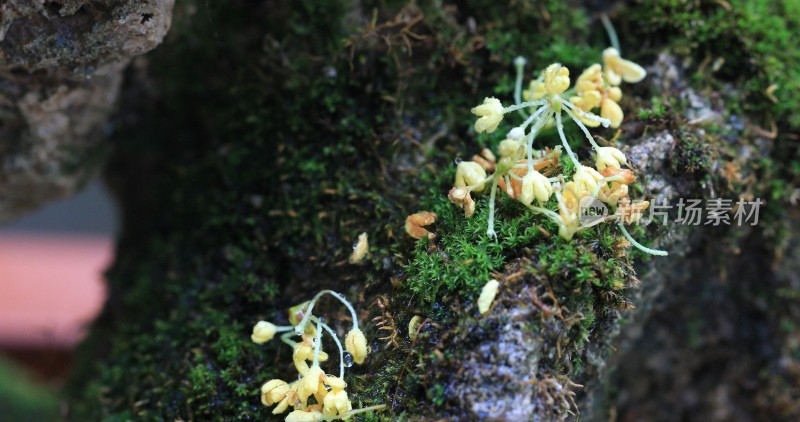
{"x": 564, "y": 142}
{"x": 639, "y": 245}
{"x": 307, "y": 313}
{"x": 612, "y": 33}
{"x": 335, "y": 340}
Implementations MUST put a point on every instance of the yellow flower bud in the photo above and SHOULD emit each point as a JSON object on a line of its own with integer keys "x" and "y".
{"x": 486, "y": 298}
{"x": 335, "y": 383}
{"x": 360, "y": 249}
{"x": 273, "y": 391}
{"x": 303, "y": 353}
{"x": 568, "y": 208}
{"x": 356, "y": 345}
{"x": 309, "y": 384}
{"x": 586, "y": 180}
{"x": 282, "y": 406}
{"x": 511, "y": 148}
{"x": 590, "y": 80}
{"x": 490, "y": 113}
{"x": 535, "y": 91}
{"x": 336, "y": 403}
{"x": 611, "y": 111}
{"x": 470, "y": 173}
{"x": 614, "y": 93}
{"x": 263, "y": 332}
{"x": 619, "y": 69}
{"x": 535, "y": 186}
{"x": 587, "y": 100}
{"x": 303, "y": 416}
{"x": 609, "y": 157}
{"x": 556, "y": 79}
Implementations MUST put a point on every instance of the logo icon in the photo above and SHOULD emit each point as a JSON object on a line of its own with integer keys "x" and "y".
{"x": 591, "y": 211}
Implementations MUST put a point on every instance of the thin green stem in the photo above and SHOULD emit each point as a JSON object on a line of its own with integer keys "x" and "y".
{"x": 347, "y": 415}
{"x": 519, "y": 63}
{"x": 318, "y": 342}
{"x": 612, "y": 33}
{"x": 490, "y": 231}
{"x": 584, "y": 129}
{"x": 603, "y": 181}
{"x": 564, "y": 142}
{"x": 532, "y": 136}
{"x": 335, "y": 340}
{"x": 524, "y": 105}
{"x": 591, "y": 116}
{"x": 639, "y": 245}
{"x": 285, "y": 339}
{"x": 300, "y": 328}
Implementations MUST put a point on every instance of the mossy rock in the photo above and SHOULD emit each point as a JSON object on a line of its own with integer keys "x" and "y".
{"x": 262, "y": 138}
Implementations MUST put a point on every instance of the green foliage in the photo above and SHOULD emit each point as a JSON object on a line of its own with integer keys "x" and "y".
{"x": 753, "y": 44}
{"x": 21, "y": 400}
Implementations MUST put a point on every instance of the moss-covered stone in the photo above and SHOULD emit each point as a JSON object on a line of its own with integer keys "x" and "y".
{"x": 263, "y": 138}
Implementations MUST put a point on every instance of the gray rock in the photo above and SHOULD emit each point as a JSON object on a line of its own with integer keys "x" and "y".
{"x": 61, "y": 65}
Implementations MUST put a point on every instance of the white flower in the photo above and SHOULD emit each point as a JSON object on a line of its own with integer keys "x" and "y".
{"x": 535, "y": 186}
{"x": 490, "y": 113}
{"x": 609, "y": 157}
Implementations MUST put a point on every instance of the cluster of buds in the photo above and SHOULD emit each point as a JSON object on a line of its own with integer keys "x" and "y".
{"x": 315, "y": 395}
{"x": 531, "y": 176}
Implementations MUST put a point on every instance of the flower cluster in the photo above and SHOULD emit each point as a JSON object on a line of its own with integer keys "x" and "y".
{"x": 315, "y": 395}
{"x": 531, "y": 176}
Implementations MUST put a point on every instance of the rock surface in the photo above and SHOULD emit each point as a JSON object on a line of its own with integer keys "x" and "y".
{"x": 61, "y": 65}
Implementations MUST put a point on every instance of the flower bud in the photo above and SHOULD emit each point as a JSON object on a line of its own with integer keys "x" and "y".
{"x": 462, "y": 199}
{"x": 336, "y": 403}
{"x": 510, "y": 148}
{"x": 335, "y": 383}
{"x": 535, "y": 91}
{"x": 626, "y": 176}
{"x": 535, "y": 186}
{"x": 303, "y": 416}
{"x": 619, "y": 69}
{"x": 586, "y": 180}
{"x": 273, "y": 391}
{"x": 490, "y": 113}
{"x": 486, "y": 298}
{"x": 263, "y": 332}
{"x": 470, "y": 173}
{"x": 309, "y": 384}
{"x": 356, "y": 345}
{"x": 556, "y": 79}
{"x": 611, "y": 110}
{"x": 609, "y": 157}
{"x": 516, "y": 134}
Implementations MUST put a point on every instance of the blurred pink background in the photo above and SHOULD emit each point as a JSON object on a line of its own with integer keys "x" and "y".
{"x": 51, "y": 280}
